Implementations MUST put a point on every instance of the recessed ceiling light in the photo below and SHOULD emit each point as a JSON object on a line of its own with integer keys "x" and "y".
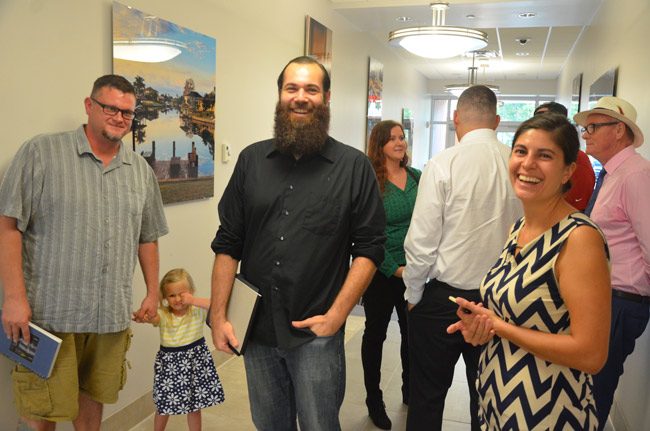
{"x": 522, "y": 54}
{"x": 403, "y": 19}
{"x": 527, "y": 15}
{"x": 470, "y": 16}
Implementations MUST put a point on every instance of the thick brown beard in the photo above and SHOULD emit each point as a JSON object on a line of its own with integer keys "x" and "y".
{"x": 301, "y": 137}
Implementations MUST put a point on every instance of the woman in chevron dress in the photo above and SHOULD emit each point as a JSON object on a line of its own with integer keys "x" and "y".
{"x": 546, "y": 302}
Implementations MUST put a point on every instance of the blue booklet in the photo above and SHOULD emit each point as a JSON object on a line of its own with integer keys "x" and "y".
{"x": 39, "y": 355}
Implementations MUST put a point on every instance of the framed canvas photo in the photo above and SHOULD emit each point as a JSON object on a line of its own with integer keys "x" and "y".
{"x": 318, "y": 42}
{"x": 575, "y": 96}
{"x": 407, "y": 125}
{"x": 605, "y": 85}
{"x": 173, "y": 70}
{"x": 375, "y": 90}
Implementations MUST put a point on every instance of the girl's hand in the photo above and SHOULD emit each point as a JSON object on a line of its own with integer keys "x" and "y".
{"x": 187, "y": 298}
{"x": 138, "y": 318}
{"x": 145, "y": 318}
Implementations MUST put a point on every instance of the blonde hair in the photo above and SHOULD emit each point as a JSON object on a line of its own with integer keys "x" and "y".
{"x": 174, "y": 276}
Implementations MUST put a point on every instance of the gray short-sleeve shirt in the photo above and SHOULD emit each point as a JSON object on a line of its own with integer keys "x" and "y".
{"x": 81, "y": 224}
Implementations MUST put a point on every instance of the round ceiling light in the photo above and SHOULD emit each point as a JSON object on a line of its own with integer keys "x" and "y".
{"x": 438, "y": 41}
{"x": 147, "y": 50}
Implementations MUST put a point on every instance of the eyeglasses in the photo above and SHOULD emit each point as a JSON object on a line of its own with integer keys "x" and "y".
{"x": 113, "y": 110}
{"x": 591, "y": 128}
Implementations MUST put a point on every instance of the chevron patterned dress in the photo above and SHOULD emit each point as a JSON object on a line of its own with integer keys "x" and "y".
{"x": 517, "y": 390}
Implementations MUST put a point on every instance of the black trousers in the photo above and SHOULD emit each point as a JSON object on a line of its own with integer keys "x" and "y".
{"x": 383, "y": 294}
{"x": 433, "y": 355}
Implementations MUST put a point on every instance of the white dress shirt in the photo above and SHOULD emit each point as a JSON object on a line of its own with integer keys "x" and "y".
{"x": 463, "y": 213}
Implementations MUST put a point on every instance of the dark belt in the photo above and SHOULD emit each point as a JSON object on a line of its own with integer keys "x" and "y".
{"x": 631, "y": 296}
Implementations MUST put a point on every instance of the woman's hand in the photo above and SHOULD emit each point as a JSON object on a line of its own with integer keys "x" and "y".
{"x": 399, "y": 272}
{"x": 475, "y": 324}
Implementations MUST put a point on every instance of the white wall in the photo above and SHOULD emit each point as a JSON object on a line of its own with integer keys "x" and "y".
{"x": 53, "y": 50}
{"x": 619, "y": 37}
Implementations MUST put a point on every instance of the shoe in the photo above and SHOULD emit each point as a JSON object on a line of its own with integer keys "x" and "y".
{"x": 379, "y": 417}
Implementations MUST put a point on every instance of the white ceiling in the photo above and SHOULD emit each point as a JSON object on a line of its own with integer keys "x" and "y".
{"x": 551, "y": 34}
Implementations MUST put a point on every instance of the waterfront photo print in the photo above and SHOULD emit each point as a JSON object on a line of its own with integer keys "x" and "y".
{"x": 173, "y": 71}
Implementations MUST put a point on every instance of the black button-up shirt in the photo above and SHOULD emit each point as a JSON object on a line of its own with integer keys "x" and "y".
{"x": 294, "y": 224}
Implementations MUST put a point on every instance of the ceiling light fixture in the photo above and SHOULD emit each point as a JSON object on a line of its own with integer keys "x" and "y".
{"x": 457, "y": 89}
{"x": 147, "y": 47}
{"x": 527, "y": 15}
{"x": 147, "y": 50}
{"x": 482, "y": 54}
{"x": 439, "y": 40}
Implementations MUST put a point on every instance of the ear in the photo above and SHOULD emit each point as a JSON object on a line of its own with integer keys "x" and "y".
{"x": 497, "y": 120}
{"x": 326, "y": 98}
{"x": 568, "y": 172}
{"x": 88, "y": 104}
{"x": 620, "y": 130}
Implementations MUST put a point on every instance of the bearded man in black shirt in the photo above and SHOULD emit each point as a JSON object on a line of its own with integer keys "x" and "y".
{"x": 296, "y": 208}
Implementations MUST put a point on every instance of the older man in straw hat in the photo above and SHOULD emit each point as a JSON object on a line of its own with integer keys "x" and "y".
{"x": 621, "y": 207}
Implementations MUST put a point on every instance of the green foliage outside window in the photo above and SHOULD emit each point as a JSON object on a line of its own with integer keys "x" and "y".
{"x": 516, "y": 110}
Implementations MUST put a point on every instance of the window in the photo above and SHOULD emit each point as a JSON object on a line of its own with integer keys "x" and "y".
{"x": 516, "y": 110}
{"x": 513, "y": 110}
{"x": 505, "y": 137}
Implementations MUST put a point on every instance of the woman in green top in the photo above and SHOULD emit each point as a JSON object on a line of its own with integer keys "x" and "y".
{"x": 398, "y": 184}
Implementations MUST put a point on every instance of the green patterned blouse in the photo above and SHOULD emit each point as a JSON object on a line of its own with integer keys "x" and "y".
{"x": 398, "y": 205}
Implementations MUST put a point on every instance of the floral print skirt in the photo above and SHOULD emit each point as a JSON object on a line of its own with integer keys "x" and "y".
{"x": 185, "y": 379}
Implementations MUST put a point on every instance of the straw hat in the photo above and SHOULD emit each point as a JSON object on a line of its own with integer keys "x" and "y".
{"x": 617, "y": 108}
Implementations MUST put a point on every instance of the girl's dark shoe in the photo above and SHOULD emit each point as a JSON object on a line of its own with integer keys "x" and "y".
{"x": 379, "y": 417}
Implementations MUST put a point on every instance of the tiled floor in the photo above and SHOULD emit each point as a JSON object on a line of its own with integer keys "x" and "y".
{"x": 234, "y": 414}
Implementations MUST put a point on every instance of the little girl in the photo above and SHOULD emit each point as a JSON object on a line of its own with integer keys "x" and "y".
{"x": 185, "y": 379}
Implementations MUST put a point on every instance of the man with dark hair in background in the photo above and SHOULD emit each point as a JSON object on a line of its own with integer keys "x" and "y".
{"x": 296, "y": 208}
{"x": 555, "y": 107}
{"x": 76, "y": 210}
{"x": 463, "y": 212}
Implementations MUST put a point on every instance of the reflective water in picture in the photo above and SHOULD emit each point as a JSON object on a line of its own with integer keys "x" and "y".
{"x": 173, "y": 135}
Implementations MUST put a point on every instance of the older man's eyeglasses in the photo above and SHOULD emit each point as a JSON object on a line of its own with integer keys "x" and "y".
{"x": 591, "y": 128}
{"x": 113, "y": 110}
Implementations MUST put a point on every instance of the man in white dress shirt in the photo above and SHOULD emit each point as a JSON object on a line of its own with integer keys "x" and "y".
{"x": 463, "y": 212}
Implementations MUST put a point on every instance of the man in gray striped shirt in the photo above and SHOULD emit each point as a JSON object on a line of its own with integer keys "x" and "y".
{"x": 76, "y": 210}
